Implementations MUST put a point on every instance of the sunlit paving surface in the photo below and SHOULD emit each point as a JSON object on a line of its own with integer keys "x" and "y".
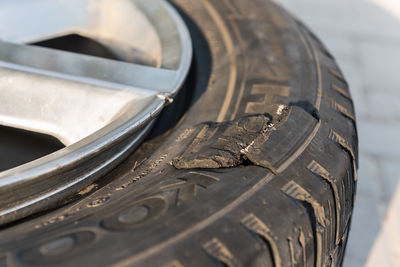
{"x": 364, "y": 36}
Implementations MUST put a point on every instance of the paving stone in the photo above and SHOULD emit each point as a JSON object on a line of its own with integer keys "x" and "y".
{"x": 384, "y": 105}
{"x": 356, "y": 17}
{"x": 386, "y": 249}
{"x": 338, "y": 43}
{"x": 390, "y": 176}
{"x": 366, "y": 225}
{"x": 380, "y": 64}
{"x": 379, "y": 138}
{"x": 351, "y": 261}
{"x": 369, "y": 183}
{"x": 380, "y": 254}
{"x": 370, "y": 19}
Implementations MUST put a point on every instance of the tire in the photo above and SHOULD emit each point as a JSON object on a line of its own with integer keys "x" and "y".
{"x": 260, "y": 170}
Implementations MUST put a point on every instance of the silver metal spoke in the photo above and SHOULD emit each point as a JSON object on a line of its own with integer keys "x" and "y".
{"x": 85, "y": 69}
{"x": 66, "y": 109}
{"x": 71, "y": 96}
{"x": 76, "y": 94}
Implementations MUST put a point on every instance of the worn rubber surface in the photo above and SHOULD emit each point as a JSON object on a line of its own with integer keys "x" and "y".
{"x": 259, "y": 171}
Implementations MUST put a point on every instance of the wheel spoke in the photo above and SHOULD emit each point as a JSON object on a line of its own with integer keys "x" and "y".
{"x": 71, "y": 96}
{"x": 85, "y": 69}
{"x": 65, "y": 109}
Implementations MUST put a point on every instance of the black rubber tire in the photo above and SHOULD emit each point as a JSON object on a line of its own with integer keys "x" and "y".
{"x": 260, "y": 170}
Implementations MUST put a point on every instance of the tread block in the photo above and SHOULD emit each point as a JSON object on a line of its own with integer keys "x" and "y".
{"x": 344, "y": 111}
{"x": 341, "y": 91}
{"x": 320, "y": 171}
{"x": 255, "y": 225}
{"x": 295, "y": 191}
{"x": 337, "y": 74}
{"x": 334, "y": 136}
{"x": 220, "y": 252}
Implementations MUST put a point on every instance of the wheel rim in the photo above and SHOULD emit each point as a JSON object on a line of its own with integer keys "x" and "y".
{"x": 71, "y": 90}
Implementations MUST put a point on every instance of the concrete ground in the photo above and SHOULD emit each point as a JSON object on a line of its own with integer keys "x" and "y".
{"x": 364, "y": 36}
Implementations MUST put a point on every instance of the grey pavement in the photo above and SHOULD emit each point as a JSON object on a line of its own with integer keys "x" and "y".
{"x": 364, "y": 36}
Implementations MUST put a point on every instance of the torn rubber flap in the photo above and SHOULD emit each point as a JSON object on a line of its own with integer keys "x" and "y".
{"x": 231, "y": 143}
